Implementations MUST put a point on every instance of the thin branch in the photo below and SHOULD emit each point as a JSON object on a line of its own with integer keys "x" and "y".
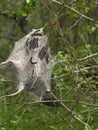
{"x": 76, "y": 71}
{"x": 65, "y": 107}
{"x": 39, "y": 10}
{"x": 63, "y": 118}
{"x": 74, "y": 24}
{"x": 86, "y": 111}
{"x": 73, "y": 115}
{"x": 47, "y": 7}
{"x": 9, "y": 37}
{"x": 13, "y": 94}
{"x": 95, "y": 3}
{"x": 73, "y": 9}
{"x": 64, "y": 101}
{"x": 95, "y": 54}
{"x": 5, "y": 81}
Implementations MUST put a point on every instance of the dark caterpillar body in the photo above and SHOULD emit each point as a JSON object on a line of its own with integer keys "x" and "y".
{"x": 36, "y": 34}
{"x": 47, "y": 58}
{"x": 34, "y": 43}
{"x": 32, "y": 61}
{"x": 27, "y": 41}
{"x": 32, "y": 73}
{"x": 43, "y": 52}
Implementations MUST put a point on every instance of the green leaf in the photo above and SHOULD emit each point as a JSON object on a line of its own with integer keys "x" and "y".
{"x": 27, "y": 1}
{"x": 21, "y": 13}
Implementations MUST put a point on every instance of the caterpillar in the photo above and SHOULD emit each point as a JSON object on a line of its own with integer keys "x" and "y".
{"x": 34, "y": 43}
{"x": 43, "y": 52}
{"x": 32, "y": 61}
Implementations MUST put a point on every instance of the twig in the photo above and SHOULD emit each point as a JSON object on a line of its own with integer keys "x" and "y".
{"x": 9, "y": 37}
{"x": 73, "y": 115}
{"x": 95, "y": 54}
{"x": 64, "y": 101}
{"x": 73, "y": 9}
{"x": 74, "y": 24}
{"x": 47, "y": 7}
{"x": 63, "y": 118}
{"x": 76, "y": 71}
{"x": 5, "y": 81}
{"x": 13, "y": 94}
{"x": 95, "y": 3}
{"x": 64, "y": 106}
{"x": 85, "y": 111}
{"x": 39, "y": 10}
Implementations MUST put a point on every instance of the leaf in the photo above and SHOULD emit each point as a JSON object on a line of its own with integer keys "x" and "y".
{"x": 21, "y": 12}
{"x": 27, "y": 1}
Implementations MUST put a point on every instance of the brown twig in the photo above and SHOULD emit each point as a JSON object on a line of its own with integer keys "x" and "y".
{"x": 47, "y": 7}
{"x": 74, "y": 10}
{"x": 74, "y": 24}
{"x": 64, "y": 101}
{"x": 28, "y": 17}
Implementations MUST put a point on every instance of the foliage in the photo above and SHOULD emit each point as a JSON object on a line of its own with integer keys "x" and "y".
{"x": 73, "y": 38}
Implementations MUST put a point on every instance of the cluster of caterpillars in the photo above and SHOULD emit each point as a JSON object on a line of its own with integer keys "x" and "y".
{"x": 33, "y": 44}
